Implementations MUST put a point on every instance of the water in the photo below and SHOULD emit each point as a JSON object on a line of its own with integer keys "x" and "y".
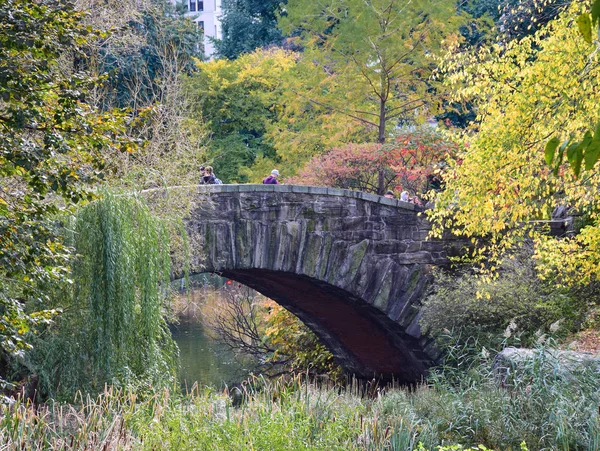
{"x": 202, "y": 358}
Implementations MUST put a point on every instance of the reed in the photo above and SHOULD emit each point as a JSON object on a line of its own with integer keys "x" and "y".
{"x": 538, "y": 409}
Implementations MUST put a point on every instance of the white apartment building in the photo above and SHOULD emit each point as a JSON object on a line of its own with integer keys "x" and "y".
{"x": 206, "y": 13}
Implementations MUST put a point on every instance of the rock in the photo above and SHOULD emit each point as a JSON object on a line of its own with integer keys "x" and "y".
{"x": 512, "y": 361}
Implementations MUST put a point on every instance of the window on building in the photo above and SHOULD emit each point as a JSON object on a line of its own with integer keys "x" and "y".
{"x": 201, "y": 25}
{"x": 200, "y": 6}
{"x": 192, "y": 5}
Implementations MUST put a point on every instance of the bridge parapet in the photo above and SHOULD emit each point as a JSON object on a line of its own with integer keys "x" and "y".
{"x": 315, "y": 190}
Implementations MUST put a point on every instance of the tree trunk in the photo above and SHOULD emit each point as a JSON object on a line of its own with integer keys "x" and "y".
{"x": 381, "y": 140}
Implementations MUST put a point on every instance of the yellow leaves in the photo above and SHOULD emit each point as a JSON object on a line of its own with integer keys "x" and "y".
{"x": 570, "y": 261}
{"x": 524, "y": 92}
{"x": 129, "y": 147}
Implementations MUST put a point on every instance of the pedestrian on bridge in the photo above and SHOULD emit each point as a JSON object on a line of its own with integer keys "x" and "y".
{"x": 272, "y": 179}
{"x": 206, "y": 176}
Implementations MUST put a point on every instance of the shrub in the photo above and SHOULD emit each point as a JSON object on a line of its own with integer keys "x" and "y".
{"x": 517, "y": 301}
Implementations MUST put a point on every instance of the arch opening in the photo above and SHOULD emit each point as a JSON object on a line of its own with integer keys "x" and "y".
{"x": 364, "y": 341}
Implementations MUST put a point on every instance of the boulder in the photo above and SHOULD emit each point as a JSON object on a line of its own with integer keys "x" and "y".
{"x": 512, "y": 362}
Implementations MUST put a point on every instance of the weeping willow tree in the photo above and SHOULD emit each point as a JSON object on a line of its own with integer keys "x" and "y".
{"x": 113, "y": 328}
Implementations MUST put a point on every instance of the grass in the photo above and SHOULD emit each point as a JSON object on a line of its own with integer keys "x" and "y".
{"x": 539, "y": 404}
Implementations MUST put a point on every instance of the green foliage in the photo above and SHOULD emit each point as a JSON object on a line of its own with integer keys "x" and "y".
{"x": 248, "y": 25}
{"x": 298, "y": 346}
{"x": 50, "y": 151}
{"x": 236, "y": 101}
{"x": 517, "y": 302}
{"x": 588, "y": 149}
{"x": 371, "y": 61}
{"x": 159, "y": 35}
{"x": 499, "y": 187}
{"x": 541, "y": 404}
{"x": 113, "y": 329}
{"x": 479, "y": 8}
{"x": 540, "y": 408}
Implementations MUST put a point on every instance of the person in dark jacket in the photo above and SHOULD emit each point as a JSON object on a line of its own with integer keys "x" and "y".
{"x": 208, "y": 178}
{"x": 272, "y": 179}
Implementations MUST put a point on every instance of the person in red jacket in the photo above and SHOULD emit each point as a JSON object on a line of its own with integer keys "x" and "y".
{"x": 272, "y": 179}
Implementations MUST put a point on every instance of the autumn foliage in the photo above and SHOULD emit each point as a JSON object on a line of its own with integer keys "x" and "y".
{"x": 501, "y": 182}
{"x": 406, "y": 161}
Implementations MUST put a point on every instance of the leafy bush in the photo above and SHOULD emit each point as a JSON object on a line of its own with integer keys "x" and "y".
{"x": 406, "y": 163}
{"x": 300, "y": 348}
{"x": 462, "y": 406}
{"x": 485, "y": 306}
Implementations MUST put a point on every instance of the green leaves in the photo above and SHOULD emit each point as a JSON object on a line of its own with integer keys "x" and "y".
{"x": 585, "y": 24}
{"x": 588, "y": 150}
{"x": 51, "y": 150}
{"x": 551, "y": 149}
{"x": 595, "y": 12}
{"x": 585, "y": 27}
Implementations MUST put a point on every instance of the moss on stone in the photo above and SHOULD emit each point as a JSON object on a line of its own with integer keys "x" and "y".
{"x": 383, "y": 297}
{"x": 324, "y": 261}
{"x": 357, "y": 253}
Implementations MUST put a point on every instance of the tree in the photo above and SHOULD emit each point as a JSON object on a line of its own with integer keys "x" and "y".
{"x": 517, "y": 299}
{"x": 525, "y": 91}
{"x": 353, "y": 166}
{"x": 112, "y": 329}
{"x": 372, "y": 61}
{"x": 248, "y": 25}
{"x": 516, "y": 19}
{"x": 585, "y": 152}
{"x": 520, "y": 18}
{"x": 50, "y": 152}
{"x": 275, "y": 339}
{"x": 237, "y": 100}
{"x": 142, "y": 53}
{"x": 415, "y": 156}
{"x": 147, "y": 50}
{"x": 406, "y": 162}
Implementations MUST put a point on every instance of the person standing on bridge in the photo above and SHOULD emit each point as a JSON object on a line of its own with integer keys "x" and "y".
{"x": 208, "y": 177}
{"x": 272, "y": 179}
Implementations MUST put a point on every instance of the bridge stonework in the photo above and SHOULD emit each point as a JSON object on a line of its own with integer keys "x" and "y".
{"x": 352, "y": 266}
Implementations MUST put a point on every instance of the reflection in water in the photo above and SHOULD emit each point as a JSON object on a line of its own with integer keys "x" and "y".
{"x": 202, "y": 358}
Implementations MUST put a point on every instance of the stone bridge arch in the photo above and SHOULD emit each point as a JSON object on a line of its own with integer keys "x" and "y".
{"x": 351, "y": 265}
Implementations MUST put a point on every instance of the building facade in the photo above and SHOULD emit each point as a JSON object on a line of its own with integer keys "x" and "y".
{"x": 206, "y": 13}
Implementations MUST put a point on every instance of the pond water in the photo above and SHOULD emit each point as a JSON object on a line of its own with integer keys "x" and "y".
{"x": 202, "y": 358}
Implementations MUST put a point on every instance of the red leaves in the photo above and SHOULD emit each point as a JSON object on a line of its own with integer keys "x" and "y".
{"x": 407, "y": 162}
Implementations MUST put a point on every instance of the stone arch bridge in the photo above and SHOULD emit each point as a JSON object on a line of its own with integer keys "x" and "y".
{"x": 350, "y": 265}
